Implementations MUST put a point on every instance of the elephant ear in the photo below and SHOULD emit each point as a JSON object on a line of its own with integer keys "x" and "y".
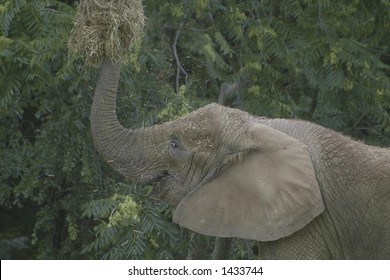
{"x": 267, "y": 193}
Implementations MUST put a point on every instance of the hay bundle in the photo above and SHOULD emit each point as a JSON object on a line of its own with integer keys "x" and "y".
{"x": 106, "y": 28}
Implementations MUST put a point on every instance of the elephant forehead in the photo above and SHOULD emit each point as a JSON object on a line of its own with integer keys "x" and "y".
{"x": 198, "y": 132}
{"x": 214, "y": 115}
{"x": 204, "y": 126}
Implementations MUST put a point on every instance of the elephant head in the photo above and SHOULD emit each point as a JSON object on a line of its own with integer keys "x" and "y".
{"x": 228, "y": 174}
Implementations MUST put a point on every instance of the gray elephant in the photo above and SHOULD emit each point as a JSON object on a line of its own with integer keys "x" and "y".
{"x": 303, "y": 191}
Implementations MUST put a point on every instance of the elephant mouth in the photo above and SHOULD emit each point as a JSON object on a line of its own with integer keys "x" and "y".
{"x": 161, "y": 185}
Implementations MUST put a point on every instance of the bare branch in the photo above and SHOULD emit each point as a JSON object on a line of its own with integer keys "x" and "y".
{"x": 180, "y": 68}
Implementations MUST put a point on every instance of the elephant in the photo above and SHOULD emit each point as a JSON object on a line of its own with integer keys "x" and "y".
{"x": 301, "y": 190}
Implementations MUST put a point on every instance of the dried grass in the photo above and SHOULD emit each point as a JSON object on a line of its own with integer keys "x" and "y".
{"x": 106, "y": 28}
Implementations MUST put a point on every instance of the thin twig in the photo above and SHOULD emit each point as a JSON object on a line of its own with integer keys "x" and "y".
{"x": 100, "y": 5}
{"x": 357, "y": 122}
{"x": 180, "y": 68}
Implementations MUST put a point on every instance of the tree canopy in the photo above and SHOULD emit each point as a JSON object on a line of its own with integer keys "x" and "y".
{"x": 323, "y": 61}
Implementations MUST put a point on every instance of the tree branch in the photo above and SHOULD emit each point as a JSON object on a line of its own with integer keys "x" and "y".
{"x": 180, "y": 68}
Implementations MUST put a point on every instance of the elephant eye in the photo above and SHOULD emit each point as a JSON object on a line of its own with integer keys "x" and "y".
{"x": 174, "y": 144}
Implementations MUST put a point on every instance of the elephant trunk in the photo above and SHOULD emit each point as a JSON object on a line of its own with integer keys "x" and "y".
{"x": 119, "y": 146}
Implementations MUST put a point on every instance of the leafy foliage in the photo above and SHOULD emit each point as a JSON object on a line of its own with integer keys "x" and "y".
{"x": 323, "y": 61}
